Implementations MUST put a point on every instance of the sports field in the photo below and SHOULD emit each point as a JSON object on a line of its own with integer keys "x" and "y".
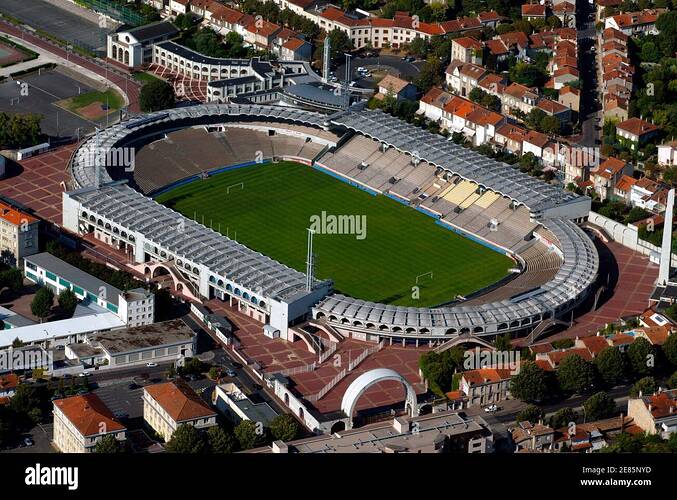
{"x": 269, "y": 208}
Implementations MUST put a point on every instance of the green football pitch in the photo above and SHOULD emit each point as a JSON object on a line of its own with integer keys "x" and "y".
{"x": 269, "y": 207}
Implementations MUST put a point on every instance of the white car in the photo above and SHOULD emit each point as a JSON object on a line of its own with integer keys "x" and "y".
{"x": 151, "y": 365}
{"x": 491, "y": 409}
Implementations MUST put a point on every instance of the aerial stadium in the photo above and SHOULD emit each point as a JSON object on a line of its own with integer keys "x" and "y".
{"x": 221, "y": 198}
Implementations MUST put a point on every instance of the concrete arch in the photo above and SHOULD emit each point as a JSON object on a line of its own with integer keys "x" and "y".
{"x": 362, "y": 383}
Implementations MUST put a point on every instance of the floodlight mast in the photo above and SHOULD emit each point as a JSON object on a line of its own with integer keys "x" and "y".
{"x": 310, "y": 262}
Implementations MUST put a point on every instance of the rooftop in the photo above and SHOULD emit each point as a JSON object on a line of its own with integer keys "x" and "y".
{"x": 144, "y": 337}
{"x": 89, "y": 414}
{"x": 179, "y": 401}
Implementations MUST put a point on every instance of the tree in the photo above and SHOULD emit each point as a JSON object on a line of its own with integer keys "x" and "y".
{"x": 672, "y": 381}
{"x": 642, "y": 357}
{"x": 11, "y": 279}
{"x": 531, "y": 413}
{"x": 250, "y": 434}
{"x": 611, "y": 366}
{"x": 528, "y": 74}
{"x": 645, "y": 385}
{"x": 68, "y": 301}
{"x": 575, "y": 374}
{"x": 108, "y": 444}
{"x": 530, "y": 384}
{"x": 562, "y": 418}
{"x": 284, "y": 427}
{"x": 220, "y": 441}
{"x": 156, "y": 95}
{"x": 186, "y": 439}
{"x": 670, "y": 349}
{"x": 599, "y": 406}
{"x": 42, "y": 303}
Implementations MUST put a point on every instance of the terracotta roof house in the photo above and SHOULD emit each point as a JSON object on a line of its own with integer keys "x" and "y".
{"x": 168, "y": 405}
{"x": 634, "y": 132}
{"x": 81, "y": 421}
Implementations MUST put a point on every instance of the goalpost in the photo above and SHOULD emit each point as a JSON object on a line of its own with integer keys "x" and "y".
{"x": 239, "y": 184}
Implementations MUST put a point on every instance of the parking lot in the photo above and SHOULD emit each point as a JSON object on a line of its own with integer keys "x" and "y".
{"x": 44, "y": 89}
{"x": 41, "y": 435}
{"x": 59, "y": 22}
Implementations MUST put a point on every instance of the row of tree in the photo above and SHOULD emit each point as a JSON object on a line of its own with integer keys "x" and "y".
{"x": 609, "y": 368}
{"x": 244, "y": 436}
{"x": 20, "y": 130}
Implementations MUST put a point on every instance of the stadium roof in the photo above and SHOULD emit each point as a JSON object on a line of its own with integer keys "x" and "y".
{"x": 438, "y": 151}
{"x": 87, "y": 161}
{"x": 191, "y": 241}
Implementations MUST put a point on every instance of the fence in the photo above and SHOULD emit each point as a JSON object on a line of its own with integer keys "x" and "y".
{"x": 330, "y": 385}
{"x": 116, "y": 11}
{"x": 367, "y": 352}
{"x": 299, "y": 369}
{"x": 325, "y": 355}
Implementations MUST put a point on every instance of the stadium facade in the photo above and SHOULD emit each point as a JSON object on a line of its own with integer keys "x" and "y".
{"x": 487, "y": 201}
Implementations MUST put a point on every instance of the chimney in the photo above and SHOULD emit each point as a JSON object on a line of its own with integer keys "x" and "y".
{"x": 401, "y": 425}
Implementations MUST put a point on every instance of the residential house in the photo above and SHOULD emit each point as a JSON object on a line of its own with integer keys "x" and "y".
{"x": 535, "y": 143}
{"x": 667, "y": 153}
{"x": 607, "y": 175}
{"x": 398, "y": 88}
{"x": 467, "y": 49}
{"x": 463, "y": 77}
{"x": 532, "y": 437}
{"x": 635, "y": 132}
{"x": 520, "y": 97}
{"x": 432, "y": 103}
{"x": 510, "y": 137}
{"x": 533, "y": 11}
{"x": 602, "y": 5}
{"x": 570, "y": 97}
{"x": 624, "y": 188}
{"x": 566, "y": 13}
{"x": 635, "y": 23}
{"x": 8, "y": 384}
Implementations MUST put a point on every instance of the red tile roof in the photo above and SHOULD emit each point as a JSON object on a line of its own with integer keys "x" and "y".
{"x": 637, "y": 126}
{"x": 610, "y": 167}
{"x": 9, "y": 382}
{"x": 179, "y": 401}
{"x": 533, "y": 10}
{"x": 89, "y": 415}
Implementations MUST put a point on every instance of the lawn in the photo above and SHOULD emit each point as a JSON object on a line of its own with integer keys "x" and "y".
{"x": 269, "y": 208}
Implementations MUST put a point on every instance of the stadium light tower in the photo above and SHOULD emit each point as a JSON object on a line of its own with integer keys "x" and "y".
{"x": 326, "y": 59}
{"x": 666, "y": 247}
{"x": 310, "y": 262}
{"x": 347, "y": 80}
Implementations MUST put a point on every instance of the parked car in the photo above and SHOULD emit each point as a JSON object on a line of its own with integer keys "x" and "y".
{"x": 28, "y": 442}
{"x": 231, "y": 373}
{"x": 491, "y": 409}
{"x": 151, "y": 365}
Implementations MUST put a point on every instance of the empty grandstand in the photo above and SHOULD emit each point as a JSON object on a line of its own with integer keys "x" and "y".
{"x": 465, "y": 192}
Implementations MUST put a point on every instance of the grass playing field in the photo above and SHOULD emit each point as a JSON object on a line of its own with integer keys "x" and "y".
{"x": 269, "y": 207}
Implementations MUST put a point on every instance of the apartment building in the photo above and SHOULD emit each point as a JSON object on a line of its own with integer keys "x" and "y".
{"x": 485, "y": 385}
{"x": 168, "y": 405}
{"x": 635, "y": 23}
{"x": 19, "y": 233}
{"x": 81, "y": 421}
{"x": 655, "y": 413}
{"x": 463, "y": 77}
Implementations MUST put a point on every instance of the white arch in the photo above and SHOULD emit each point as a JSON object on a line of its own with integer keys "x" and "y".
{"x": 360, "y": 385}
